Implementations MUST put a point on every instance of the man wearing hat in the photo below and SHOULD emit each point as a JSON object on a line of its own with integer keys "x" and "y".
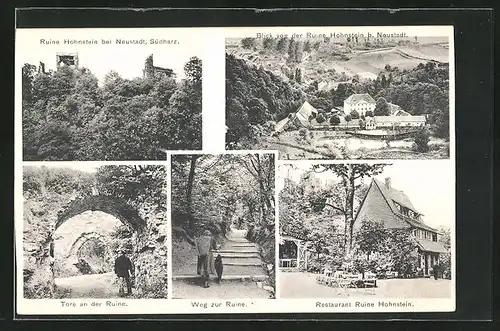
{"x": 124, "y": 269}
{"x": 204, "y": 244}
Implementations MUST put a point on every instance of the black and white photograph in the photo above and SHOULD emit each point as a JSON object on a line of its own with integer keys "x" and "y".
{"x": 223, "y": 226}
{"x": 100, "y": 95}
{"x": 94, "y": 231}
{"x": 366, "y": 230}
{"x": 328, "y": 95}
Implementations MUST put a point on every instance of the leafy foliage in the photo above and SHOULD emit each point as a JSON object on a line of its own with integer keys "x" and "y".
{"x": 213, "y": 192}
{"x": 68, "y": 116}
{"x": 422, "y": 90}
{"x": 422, "y": 141}
{"x": 381, "y": 107}
{"x": 371, "y": 237}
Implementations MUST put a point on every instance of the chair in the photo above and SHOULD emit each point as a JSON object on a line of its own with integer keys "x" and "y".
{"x": 322, "y": 279}
{"x": 370, "y": 280}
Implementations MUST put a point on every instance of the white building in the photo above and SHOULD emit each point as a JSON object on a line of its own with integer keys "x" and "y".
{"x": 361, "y": 103}
{"x": 394, "y": 121}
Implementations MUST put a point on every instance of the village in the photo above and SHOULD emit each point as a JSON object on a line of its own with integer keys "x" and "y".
{"x": 359, "y": 113}
{"x": 361, "y": 128}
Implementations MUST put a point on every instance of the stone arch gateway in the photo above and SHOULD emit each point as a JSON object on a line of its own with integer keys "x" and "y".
{"x": 116, "y": 207}
{"x": 84, "y": 238}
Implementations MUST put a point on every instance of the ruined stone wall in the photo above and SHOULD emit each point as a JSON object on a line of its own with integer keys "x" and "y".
{"x": 39, "y": 215}
{"x": 150, "y": 257}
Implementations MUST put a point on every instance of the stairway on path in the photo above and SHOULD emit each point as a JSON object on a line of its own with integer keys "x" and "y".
{"x": 243, "y": 275}
{"x": 240, "y": 257}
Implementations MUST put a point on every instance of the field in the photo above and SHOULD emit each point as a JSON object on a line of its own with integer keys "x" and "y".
{"x": 366, "y": 63}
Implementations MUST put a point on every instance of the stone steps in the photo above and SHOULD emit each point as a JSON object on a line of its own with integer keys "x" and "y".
{"x": 233, "y": 250}
{"x": 224, "y": 277}
{"x": 239, "y": 255}
{"x": 237, "y": 269}
{"x": 251, "y": 245}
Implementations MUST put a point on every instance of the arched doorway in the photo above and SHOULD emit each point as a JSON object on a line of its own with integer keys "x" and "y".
{"x": 87, "y": 232}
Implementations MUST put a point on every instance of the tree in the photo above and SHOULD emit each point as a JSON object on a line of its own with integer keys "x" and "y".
{"x": 381, "y": 108}
{"x": 362, "y": 124}
{"x": 193, "y": 70}
{"x": 307, "y": 46}
{"x": 343, "y": 201}
{"x": 369, "y": 113}
{"x": 320, "y": 118}
{"x": 354, "y": 114}
{"x": 371, "y": 237}
{"x": 282, "y": 45}
{"x": 269, "y": 43}
{"x": 334, "y": 120}
{"x": 422, "y": 141}
{"x": 248, "y": 43}
{"x": 347, "y": 118}
{"x": 403, "y": 251}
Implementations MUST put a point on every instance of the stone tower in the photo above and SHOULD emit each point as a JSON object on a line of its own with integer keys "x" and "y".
{"x": 67, "y": 59}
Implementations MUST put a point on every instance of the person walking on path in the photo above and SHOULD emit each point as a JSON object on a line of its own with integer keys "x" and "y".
{"x": 205, "y": 245}
{"x": 124, "y": 270}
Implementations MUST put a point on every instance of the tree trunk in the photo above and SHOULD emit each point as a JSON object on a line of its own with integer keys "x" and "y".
{"x": 262, "y": 195}
{"x": 349, "y": 209}
{"x": 189, "y": 190}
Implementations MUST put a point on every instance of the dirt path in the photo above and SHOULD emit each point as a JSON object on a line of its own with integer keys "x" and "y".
{"x": 243, "y": 272}
{"x": 88, "y": 286}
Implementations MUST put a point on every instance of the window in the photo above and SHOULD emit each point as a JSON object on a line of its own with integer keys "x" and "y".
{"x": 434, "y": 237}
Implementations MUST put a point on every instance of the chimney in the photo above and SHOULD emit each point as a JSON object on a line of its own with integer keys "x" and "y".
{"x": 388, "y": 182}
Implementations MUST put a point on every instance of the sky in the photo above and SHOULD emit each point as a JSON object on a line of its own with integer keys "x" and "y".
{"x": 127, "y": 60}
{"x": 430, "y": 186}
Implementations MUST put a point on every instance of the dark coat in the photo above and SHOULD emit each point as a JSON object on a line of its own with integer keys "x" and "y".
{"x": 122, "y": 266}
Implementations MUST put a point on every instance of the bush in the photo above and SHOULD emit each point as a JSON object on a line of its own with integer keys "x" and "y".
{"x": 334, "y": 120}
{"x": 369, "y": 113}
{"x": 320, "y": 118}
{"x": 303, "y": 133}
{"x": 348, "y": 118}
{"x": 362, "y": 124}
{"x": 354, "y": 114}
{"x": 422, "y": 141}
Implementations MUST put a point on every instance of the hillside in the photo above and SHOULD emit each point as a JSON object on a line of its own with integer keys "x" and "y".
{"x": 257, "y": 98}
{"x": 320, "y": 60}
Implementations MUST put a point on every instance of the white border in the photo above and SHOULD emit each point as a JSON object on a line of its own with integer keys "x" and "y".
{"x": 213, "y": 41}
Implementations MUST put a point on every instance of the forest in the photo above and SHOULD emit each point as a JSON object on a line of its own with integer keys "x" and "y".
{"x": 68, "y": 115}
{"x": 256, "y": 98}
{"x": 216, "y": 191}
{"x": 324, "y": 214}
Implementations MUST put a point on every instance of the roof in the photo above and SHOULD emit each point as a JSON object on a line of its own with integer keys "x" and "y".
{"x": 293, "y": 234}
{"x": 392, "y": 195}
{"x": 431, "y": 246}
{"x": 396, "y": 110}
{"x": 395, "y": 195}
{"x": 304, "y": 112}
{"x": 396, "y": 119}
{"x": 280, "y": 126}
{"x": 356, "y": 98}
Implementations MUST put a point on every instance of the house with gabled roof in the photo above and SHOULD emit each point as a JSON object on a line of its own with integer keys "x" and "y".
{"x": 382, "y": 203}
{"x": 302, "y": 117}
{"x": 361, "y": 103}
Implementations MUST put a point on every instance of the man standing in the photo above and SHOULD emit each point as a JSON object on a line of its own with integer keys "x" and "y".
{"x": 124, "y": 269}
{"x": 204, "y": 245}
